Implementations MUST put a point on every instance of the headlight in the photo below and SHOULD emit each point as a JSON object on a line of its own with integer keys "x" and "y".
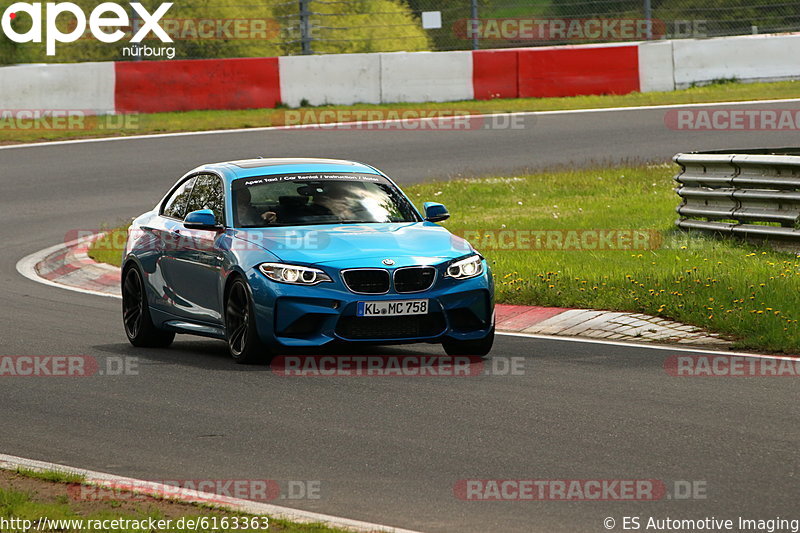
{"x": 466, "y": 268}
{"x": 293, "y": 274}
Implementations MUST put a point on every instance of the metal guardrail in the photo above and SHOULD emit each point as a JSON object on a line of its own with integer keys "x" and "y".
{"x": 731, "y": 192}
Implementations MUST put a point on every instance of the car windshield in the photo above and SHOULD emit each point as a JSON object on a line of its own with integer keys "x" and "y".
{"x": 306, "y": 199}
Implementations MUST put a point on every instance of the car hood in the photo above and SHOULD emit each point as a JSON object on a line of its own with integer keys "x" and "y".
{"x": 354, "y": 245}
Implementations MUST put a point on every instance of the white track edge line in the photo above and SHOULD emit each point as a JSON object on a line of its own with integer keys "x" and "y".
{"x": 334, "y": 126}
{"x": 649, "y": 346}
{"x": 11, "y": 462}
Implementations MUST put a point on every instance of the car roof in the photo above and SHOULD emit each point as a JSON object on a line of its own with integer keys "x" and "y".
{"x": 248, "y": 168}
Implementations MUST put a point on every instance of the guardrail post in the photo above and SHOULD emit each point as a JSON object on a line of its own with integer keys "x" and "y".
{"x": 648, "y": 16}
{"x": 475, "y": 41}
{"x": 135, "y": 28}
{"x": 305, "y": 27}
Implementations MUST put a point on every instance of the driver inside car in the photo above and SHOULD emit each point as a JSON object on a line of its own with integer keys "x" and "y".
{"x": 338, "y": 199}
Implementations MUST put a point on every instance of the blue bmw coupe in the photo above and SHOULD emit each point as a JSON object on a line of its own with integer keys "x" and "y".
{"x": 277, "y": 253}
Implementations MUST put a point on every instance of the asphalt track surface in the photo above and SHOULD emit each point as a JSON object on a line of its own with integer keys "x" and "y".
{"x": 385, "y": 450}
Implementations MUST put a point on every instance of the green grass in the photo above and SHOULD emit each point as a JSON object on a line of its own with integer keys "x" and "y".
{"x": 59, "y": 505}
{"x": 109, "y": 247}
{"x": 55, "y": 476}
{"x": 250, "y": 118}
{"x": 23, "y": 506}
{"x": 728, "y": 286}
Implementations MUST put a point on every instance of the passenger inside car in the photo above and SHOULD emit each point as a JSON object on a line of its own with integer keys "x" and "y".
{"x": 248, "y": 214}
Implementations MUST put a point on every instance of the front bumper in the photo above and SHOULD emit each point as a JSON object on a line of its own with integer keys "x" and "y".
{"x": 300, "y": 316}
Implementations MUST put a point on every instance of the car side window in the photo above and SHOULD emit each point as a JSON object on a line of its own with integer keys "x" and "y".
{"x": 208, "y": 193}
{"x": 175, "y": 206}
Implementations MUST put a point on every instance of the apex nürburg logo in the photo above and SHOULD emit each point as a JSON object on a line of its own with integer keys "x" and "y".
{"x": 102, "y": 20}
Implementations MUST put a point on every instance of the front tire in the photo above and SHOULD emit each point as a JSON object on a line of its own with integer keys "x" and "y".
{"x": 480, "y": 347}
{"x": 244, "y": 344}
{"x": 139, "y": 327}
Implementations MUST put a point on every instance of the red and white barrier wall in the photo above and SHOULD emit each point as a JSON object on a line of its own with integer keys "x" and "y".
{"x": 87, "y": 87}
{"x": 749, "y": 57}
{"x": 555, "y": 71}
{"x": 180, "y": 85}
{"x": 330, "y": 79}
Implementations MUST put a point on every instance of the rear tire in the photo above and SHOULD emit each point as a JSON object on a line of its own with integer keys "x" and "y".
{"x": 139, "y": 327}
{"x": 244, "y": 344}
{"x": 480, "y": 347}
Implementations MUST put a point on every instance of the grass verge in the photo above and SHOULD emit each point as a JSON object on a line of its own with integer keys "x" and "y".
{"x": 141, "y": 124}
{"x": 31, "y": 495}
{"x": 748, "y": 292}
{"x": 55, "y": 476}
{"x": 724, "y": 285}
{"x": 109, "y": 247}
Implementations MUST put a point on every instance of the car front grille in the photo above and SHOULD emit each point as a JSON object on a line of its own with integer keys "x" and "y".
{"x": 414, "y": 279}
{"x": 367, "y": 280}
{"x": 380, "y": 327}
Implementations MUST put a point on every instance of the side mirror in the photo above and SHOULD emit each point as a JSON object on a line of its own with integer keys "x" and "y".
{"x": 203, "y": 219}
{"x": 435, "y": 212}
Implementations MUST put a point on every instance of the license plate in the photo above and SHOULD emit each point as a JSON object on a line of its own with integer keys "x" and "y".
{"x": 393, "y": 308}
